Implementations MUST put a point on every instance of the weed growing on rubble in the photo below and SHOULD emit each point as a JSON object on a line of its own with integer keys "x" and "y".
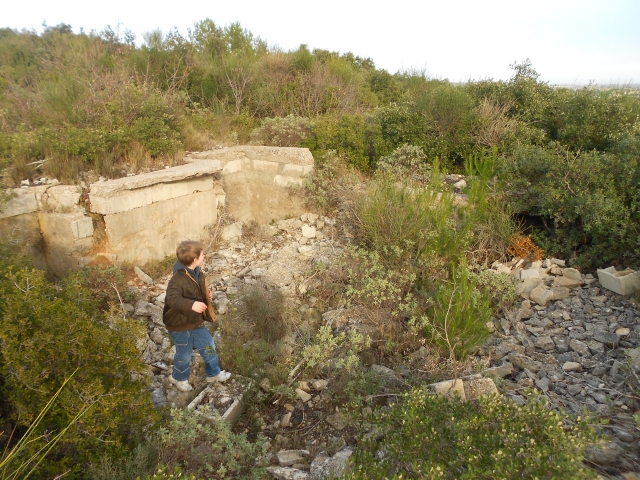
{"x": 470, "y": 440}
{"x": 264, "y": 309}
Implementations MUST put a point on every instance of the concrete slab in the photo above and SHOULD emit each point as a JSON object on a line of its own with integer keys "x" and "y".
{"x": 625, "y": 282}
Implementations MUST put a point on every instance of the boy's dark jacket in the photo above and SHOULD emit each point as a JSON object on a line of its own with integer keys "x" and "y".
{"x": 183, "y": 290}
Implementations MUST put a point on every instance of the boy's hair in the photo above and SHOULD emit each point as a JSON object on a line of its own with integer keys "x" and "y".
{"x": 189, "y": 251}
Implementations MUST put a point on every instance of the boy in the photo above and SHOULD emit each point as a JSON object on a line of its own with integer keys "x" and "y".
{"x": 187, "y": 306}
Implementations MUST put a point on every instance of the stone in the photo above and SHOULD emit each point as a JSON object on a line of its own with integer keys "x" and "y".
{"x": 265, "y": 385}
{"x": 477, "y": 387}
{"x": 143, "y": 276}
{"x": 623, "y": 331}
{"x": 324, "y": 467}
{"x": 387, "y": 375}
{"x": 609, "y": 339}
{"x": 572, "y": 273}
{"x": 522, "y": 361}
{"x": 337, "y": 421}
{"x": 579, "y": 347}
{"x": 286, "y": 458}
{"x": 319, "y": 384}
{"x": 541, "y": 295}
{"x": 543, "y": 384}
{"x": 560, "y": 293}
{"x": 308, "y": 232}
{"x": 544, "y": 343}
{"x": 555, "y": 270}
{"x": 556, "y": 261}
{"x": 287, "y": 473}
{"x": 285, "y": 421}
{"x": 502, "y": 371}
{"x": 566, "y": 282}
{"x": 304, "y": 396}
{"x": 604, "y": 454}
{"x": 571, "y": 367}
{"x": 449, "y": 388}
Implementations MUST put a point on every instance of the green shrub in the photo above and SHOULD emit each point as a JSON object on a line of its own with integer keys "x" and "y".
{"x": 210, "y": 450}
{"x": 48, "y": 332}
{"x": 264, "y": 309}
{"x": 344, "y": 347}
{"x": 345, "y": 135}
{"x": 142, "y": 459}
{"x": 455, "y": 321}
{"x": 588, "y": 201}
{"x": 429, "y": 437}
{"x": 408, "y": 162}
{"x": 423, "y": 223}
{"x": 290, "y": 131}
{"x": 377, "y": 279}
{"x": 498, "y": 287}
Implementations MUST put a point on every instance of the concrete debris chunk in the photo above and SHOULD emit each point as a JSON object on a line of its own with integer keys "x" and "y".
{"x": 143, "y": 276}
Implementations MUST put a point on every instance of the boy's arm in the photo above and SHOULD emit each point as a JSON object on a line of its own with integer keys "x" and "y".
{"x": 174, "y": 298}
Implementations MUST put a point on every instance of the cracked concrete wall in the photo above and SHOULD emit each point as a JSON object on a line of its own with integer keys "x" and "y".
{"x": 141, "y": 218}
{"x": 255, "y": 180}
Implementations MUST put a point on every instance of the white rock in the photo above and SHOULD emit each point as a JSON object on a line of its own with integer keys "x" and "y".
{"x": 308, "y": 232}
{"x": 287, "y": 473}
{"x": 572, "y": 273}
{"x": 304, "y": 396}
{"x": 143, "y": 276}
{"x": 571, "y": 366}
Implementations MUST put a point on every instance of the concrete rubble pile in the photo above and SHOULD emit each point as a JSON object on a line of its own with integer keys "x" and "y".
{"x": 571, "y": 339}
{"x": 578, "y": 343}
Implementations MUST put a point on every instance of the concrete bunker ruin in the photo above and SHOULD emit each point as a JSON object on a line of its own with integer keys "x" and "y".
{"x": 140, "y": 218}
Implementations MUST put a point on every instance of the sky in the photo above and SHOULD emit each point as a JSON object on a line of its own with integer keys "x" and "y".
{"x": 569, "y": 42}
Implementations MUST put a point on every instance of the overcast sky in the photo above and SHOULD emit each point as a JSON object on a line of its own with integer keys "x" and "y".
{"x": 569, "y": 42}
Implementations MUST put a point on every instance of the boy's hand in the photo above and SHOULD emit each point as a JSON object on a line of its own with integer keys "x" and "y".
{"x": 199, "y": 307}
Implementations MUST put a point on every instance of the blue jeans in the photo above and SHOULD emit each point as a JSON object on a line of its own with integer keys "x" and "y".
{"x": 185, "y": 342}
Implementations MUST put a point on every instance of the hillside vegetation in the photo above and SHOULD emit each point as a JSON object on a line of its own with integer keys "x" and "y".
{"x": 97, "y": 102}
{"x": 407, "y": 249}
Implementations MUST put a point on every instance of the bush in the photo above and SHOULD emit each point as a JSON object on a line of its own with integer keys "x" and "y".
{"x": 290, "y": 131}
{"x": 48, "y": 332}
{"x": 498, "y": 287}
{"x": 428, "y": 436}
{"x": 587, "y": 200}
{"x": 264, "y": 309}
{"x": 210, "y": 450}
{"x": 408, "y": 162}
{"x": 423, "y": 223}
{"x": 456, "y": 319}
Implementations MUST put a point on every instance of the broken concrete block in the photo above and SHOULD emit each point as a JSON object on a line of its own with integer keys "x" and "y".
{"x": 563, "y": 281}
{"x": 477, "y": 387}
{"x": 143, "y": 276}
{"x": 541, "y": 295}
{"x": 625, "y": 282}
{"x": 572, "y": 273}
{"x": 286, "y": 458}
{"x": 308, "y": 232}
{"x": 232, "y": 231}
{"x": 528, "y": 285}
{"x": 530, "y": 273}
{"x": 449, "y": 388}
